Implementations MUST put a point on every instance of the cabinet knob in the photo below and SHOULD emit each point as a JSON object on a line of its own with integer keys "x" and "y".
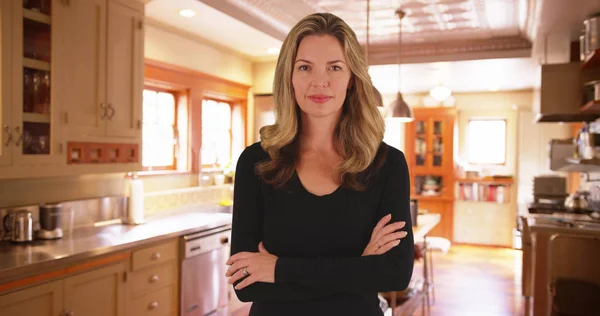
{"x": 9, "y": 135}
{"x": 155, "y": 256}
{"x": 152, "y": 306}
{"x": 153, "y": 278}
{"x": 224, "y": 240}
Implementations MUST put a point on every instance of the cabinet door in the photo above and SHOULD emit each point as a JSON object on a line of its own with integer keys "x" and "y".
{"x": 97, "y": 293}
{"x": 6, "y": 129}
{"x": 41, "y": 300}
{"x": 421, "y": 145}
{"x": 82, "y": 71}
{"x": 124, "y": 70}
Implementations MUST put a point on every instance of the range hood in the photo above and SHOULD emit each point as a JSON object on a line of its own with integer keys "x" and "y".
{"x": 559, "y": 97}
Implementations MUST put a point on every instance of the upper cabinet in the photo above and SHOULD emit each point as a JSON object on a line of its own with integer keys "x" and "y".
{"x": 6, "y": 129}
{"x": 102, "y": 67}
{"x": 70, "y": 86}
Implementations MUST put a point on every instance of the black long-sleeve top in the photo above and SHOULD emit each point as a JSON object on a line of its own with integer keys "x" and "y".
{"x": 319, "y": 240}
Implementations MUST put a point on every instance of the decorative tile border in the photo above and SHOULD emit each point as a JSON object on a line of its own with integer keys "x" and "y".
{"x": 168, "y": 200}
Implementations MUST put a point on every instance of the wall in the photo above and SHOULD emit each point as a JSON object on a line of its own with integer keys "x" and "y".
{"x": 179, "y": 50}
{"x": 262, "y": 77}
{"x": 163, "y": 46}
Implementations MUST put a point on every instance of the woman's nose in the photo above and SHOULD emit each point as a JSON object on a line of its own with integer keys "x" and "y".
{"x": 320, "y": 80}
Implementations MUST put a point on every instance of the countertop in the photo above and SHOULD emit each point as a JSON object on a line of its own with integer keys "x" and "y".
{"x": 426, "y": 222}
{"x": 564, "y": 223}
{"x": 18, "y": 261}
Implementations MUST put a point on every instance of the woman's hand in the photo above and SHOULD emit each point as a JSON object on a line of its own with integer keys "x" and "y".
{"x": 253, "y": 266}
{"x": 384, "y": 237}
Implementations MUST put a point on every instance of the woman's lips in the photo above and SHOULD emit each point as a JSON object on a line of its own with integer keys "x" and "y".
{"x": 319, "y": 98}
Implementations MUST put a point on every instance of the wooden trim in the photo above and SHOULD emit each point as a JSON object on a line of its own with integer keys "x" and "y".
{"x": 187, "y": 75}
{"x": 482, "y": 245}
{"x": 199, "y": 86}
{"x": 63, "y": 272}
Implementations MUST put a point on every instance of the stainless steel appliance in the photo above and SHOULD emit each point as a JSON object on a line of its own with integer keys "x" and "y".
{"x": 50, "y": 221}
{"x": 204, "y": 287}
{"x": 18, "y": 226}
{"x": 565, "y": 156}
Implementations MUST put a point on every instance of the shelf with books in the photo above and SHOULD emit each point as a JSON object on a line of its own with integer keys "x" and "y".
{"x": 484, "y": 191}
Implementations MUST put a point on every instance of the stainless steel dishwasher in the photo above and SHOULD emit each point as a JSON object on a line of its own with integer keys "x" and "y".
{"x": 204, "y": 287}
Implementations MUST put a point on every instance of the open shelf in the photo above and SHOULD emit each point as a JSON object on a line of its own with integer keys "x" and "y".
{"x": 36, "y": 117}
{"x": 592, "y": 60}
{"x": 36, "y": 16}
{"x": 591, "y": 107}
{"x": 36, "y": 64}
{"x": 492, "y": 181}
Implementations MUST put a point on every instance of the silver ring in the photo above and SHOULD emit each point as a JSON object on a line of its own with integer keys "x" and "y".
{"x": 245, "y": 272}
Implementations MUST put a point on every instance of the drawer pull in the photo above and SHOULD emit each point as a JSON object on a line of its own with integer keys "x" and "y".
{"x": 152, "y": 306}
{"x": 153, "y": 278}
{"x": 155, "y": 256}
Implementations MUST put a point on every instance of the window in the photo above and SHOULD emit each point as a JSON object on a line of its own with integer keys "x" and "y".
{"x": 159, "y": 139}
{"x": 486, "y": 141}
{"x": 216, "y": 133}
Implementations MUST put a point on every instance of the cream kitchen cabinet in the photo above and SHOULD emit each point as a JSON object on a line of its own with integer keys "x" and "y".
{"x": 28, "y": 116}
{"x": 101, "y": 77}
{"x": 98, "y": 292}
{"x": 41, "y": 300}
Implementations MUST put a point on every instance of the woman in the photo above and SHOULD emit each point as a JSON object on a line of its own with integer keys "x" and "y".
{"x": 320, "y": 201}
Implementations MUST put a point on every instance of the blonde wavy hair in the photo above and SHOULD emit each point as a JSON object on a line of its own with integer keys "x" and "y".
{"x": 359, "y": 133}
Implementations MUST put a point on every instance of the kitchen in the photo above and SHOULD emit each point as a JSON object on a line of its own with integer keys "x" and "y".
{"x": 92, "y": 127}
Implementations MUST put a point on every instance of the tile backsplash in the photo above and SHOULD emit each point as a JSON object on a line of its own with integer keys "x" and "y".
{"x": 157, "y": 202}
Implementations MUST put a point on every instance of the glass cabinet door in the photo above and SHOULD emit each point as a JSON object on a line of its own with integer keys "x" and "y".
{"x": 437, "y": 143}
{"x": 421, "y": 143}
{"x": 35, "y": 136}
{"x": 33, "y": 100}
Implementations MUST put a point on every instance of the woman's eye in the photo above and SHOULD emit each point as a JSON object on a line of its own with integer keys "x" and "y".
{"x": 303, "y": 68}
{"x": 336, "y": 68}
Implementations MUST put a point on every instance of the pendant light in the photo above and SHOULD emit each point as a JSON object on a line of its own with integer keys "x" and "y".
{"x": 399, "y": 109}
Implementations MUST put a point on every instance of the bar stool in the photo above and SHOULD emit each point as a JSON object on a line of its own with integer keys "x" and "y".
{"x": 430, "y": 244}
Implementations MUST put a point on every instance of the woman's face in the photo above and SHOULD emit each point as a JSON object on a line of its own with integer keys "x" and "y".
{"x": 321, "y": 76}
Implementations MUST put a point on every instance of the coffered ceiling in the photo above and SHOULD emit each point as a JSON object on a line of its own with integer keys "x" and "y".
{"x": 433, "y": 30}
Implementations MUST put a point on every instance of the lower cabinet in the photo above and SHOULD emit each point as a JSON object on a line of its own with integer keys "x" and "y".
{"x": 146, "y": 283}
{"x": 98, "y": 292}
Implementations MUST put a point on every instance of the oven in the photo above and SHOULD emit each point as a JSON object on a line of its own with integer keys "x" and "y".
{"x": 204, "y": 287}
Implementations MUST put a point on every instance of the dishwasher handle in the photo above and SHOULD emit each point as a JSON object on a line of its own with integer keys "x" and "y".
{"x": 206, "y": 244}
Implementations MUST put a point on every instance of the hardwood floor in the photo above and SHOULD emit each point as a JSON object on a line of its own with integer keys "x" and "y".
{"x": 477, "y": 281}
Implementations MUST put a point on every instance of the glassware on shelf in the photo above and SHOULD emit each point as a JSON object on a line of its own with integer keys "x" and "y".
{"x": 421, "y": 127}
{"x": 28, "y": 90}
{"x": 437, "y": 127}
{"x": 36, "y": 40}
{"x": 36, "y": 138}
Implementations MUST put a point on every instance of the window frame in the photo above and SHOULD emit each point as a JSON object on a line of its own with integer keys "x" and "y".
{"x": 468, "y": 136}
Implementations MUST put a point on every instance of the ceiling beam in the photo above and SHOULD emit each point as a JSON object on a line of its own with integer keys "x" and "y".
{"x": 247, "y": 17}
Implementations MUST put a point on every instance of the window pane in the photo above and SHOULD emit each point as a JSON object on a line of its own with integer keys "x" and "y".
{"x": 216, "y": 133}
{"x": 486, "y": 141}
{"x": 166, "y": 109}
{"x": 158, "y": 129}
{"x": 149, "y": 104}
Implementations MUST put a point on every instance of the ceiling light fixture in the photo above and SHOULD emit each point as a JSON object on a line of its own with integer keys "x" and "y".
{"x": 187, "y": 13}
{"x": 273, "y": 51}
{"x": 440, "y": 93}
{"x": 399, "y": 109}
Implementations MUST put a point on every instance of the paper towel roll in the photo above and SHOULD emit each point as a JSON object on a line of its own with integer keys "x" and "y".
{"x": 135, "y": 210}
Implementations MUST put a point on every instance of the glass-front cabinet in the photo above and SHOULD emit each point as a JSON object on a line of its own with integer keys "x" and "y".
{"x": 5, "y": 84}
{"x": 429, "y": 151}
{"x": 28, "y": 108}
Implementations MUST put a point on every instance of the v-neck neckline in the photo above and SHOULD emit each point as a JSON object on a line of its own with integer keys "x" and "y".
{"x": 297, "y": 177}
